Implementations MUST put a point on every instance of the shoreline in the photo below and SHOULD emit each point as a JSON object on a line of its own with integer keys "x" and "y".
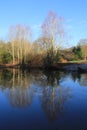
{"x": 59, "y": 66}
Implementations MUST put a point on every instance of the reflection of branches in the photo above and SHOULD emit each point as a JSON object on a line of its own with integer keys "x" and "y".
{"x": 83, "y": 80}
{"x": 81, "y": 77}
{"x": 47, "y": 78}
{"x": 20, "y": 93}
{"x": 20, "y": 97}
{"x": 12, "y": 78}
{"x": 53, "y": 100}
{"x": 75, "y": 75}
{"x": 52, "y": 78}
{"x": 5, "y": 77}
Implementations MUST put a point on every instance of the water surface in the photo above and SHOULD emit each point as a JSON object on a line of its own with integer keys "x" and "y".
{"x": 36, "y": 100}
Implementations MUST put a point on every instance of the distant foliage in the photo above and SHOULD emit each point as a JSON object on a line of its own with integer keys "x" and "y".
{"x": 83, "y": 44}
{"x": 77, "y": 53}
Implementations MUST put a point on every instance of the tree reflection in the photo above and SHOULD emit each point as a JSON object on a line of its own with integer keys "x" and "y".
{"x": 53, "y": 101}
{"x": 83, "y": 80}
{"x": 21, "y": 87}
{"x": 47, "y": 78}
{"x": 54, "y": 96}
{"x": 76, "y": 76}
{"x": 5, "y": 78}
{"x": 53, "y": 78}
{"x": 80, "y": 77}
{"x": 18, "y": 86}
{"x": 20, "y": 97}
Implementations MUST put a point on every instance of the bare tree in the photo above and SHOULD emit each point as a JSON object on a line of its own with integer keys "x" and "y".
{"x": 20, "y": 39}
{"x": 12, "y": 36}
{"x": 53, "y": 29}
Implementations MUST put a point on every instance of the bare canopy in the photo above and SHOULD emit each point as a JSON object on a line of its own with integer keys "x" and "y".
{"x": 53, "y": 29}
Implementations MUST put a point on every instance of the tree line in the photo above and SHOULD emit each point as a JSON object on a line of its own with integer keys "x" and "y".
{"x": 46, "y": 50}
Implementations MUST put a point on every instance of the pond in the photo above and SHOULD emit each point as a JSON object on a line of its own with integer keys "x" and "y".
{"x": 42, "y": 100}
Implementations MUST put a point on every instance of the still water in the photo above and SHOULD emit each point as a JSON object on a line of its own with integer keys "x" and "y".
{"x": 37, "y": 100}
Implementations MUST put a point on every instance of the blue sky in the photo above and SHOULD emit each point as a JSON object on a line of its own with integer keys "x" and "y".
{"x": 33, "y": 13}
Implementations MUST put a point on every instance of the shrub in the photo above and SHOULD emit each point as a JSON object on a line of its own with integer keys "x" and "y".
{"x": 6, "y": 57}
{"x": 52, "y": 57}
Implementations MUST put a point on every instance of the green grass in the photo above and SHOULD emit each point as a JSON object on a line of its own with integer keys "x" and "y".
{"x": 79, "y": 61}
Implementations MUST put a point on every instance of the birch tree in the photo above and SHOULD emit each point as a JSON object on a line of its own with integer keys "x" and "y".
{"x": 53, "y": 29}
{"x": 20, "y": 36}
{"x": 53, "y": 34}
{"x": 12, "y": 36}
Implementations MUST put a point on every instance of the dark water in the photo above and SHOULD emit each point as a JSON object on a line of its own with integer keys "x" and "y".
{"x": 43, "y": 100}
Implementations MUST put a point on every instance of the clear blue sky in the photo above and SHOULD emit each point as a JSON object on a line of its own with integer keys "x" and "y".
{"x": 33, "y": 13}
